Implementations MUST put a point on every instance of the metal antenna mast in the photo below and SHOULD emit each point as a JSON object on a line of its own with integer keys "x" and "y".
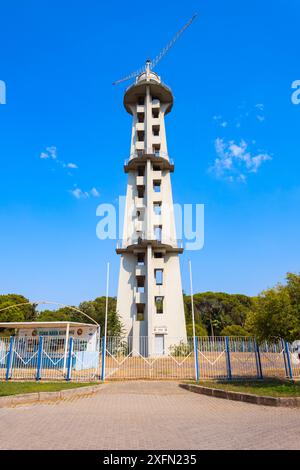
{"x": 158, "y": 58}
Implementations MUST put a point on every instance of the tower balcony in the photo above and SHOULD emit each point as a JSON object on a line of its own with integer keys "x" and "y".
{"x": 140, "y": 108}
{"x": 141, "y": 155}
{"x": 157, "y": 88}
{"x": 167, "y": 245}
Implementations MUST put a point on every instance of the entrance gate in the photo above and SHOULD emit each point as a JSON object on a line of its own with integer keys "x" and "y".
{"x": 172, "y": 361}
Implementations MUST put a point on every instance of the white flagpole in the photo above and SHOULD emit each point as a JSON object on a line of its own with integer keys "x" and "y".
{"x": 106, "y": 301}
{"x": 193, "y": 320}
{"x": 105, "y": 324}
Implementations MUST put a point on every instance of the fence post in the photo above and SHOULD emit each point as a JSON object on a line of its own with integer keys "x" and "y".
{"x": 196, "y": 358}
{"x": 39, "y": 359}
{"x": 228, "y": 364}
{"x": 288, "y": 360}
{"x": 69, "y": 362}
{"x": 103, "y": 358}
{"x": 258, "y": 361}
{"x": 9, "y": 358}
{"x": 284, "y": 358}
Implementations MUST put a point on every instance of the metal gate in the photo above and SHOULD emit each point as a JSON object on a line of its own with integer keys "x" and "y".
{"x": 125, "y": 361}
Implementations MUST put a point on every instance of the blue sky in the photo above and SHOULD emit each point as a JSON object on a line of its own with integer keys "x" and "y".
{"x": 231, "y": 74}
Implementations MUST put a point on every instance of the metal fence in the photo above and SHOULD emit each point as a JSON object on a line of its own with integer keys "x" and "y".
{"x": 48, "y": 358}
{"x": 51, "y": 358}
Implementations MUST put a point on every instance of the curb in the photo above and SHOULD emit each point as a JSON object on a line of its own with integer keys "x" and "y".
{"x": 244, "y": 397}
{"x": 27, "y": 398}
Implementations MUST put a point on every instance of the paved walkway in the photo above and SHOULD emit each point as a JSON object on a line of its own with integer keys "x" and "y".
{"x": 148, "y": 415}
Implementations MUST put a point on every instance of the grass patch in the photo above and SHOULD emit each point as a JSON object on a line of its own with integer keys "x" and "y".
{"x": 15, "y": 388}
{"x": 271, "y": 388}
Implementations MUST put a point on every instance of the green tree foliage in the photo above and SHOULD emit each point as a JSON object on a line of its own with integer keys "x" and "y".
{"x": 62, "y": 314}
{"x": 275, "y": 312}
{"x": 234, "y": 330}
{"x": 96, "y": 309}
{"x": 16, "y": 314}
{"x": 293, "y": 289}
{"x": 200, "y": 330}
{"x": 216, "y": 310}
{"x": 272, "y": 314}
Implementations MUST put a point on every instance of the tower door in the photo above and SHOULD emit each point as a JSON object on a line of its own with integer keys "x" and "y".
{"x": 159, "y": 344}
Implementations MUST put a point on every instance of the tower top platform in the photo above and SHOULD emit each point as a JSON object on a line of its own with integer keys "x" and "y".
{"x": 157, "y": 89}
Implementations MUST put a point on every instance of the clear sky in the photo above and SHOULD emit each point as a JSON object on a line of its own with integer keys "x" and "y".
{"x": 233, "y": 134}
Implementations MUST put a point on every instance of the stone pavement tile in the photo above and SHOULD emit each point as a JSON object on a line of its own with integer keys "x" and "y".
{"x": 150, "y": 415}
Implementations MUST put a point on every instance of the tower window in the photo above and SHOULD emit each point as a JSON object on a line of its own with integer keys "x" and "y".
{"x": 141, "y": 259}
{"x": 157, "y": 208}
{"x": 141, "y": 117}
{"x": 157, "y": 186}
{"x": 140, "y": 191}
{"x": 141, "y": 171}
{"x": 155, "y": 130}
{"x": 155, "y": 113}
{"x": 140, "y": 136}
{"x": 139, "y": 216}
{"x": 158, "y": 254}
{"x": 158, "y": 273}
{"x": 159, "y": 304}
{"x": 140, "y": 312}
{"x": 140, "y": 280}
{"x": 141, "y": 100}
{"x": 158, "y": 233}
{"x": 156, "y": 150}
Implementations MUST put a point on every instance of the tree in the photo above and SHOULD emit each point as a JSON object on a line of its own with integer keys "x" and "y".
{"x": 62, "y": 314}
{"x": 96, "y": 309}
{"x": 16, "y": 314}
{"x": 234, "y": 330}
{"x": 216, "y": 310}
{"x": 274, "y": 316}
{"x": 293, "y": 289}
{"x": 200, "y": 330}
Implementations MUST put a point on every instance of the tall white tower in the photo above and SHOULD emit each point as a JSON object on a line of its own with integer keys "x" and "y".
{"x": 150, "y": 301}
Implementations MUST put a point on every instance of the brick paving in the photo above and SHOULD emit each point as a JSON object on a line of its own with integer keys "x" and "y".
{"x": 148, "y": 415}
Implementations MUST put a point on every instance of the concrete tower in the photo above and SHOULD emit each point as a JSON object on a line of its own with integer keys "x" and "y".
{"x": 150, "y": 301}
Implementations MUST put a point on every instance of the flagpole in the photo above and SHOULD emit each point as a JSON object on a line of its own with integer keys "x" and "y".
{"x": 193, "y": 321}
{"x": 105, "y": 325}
